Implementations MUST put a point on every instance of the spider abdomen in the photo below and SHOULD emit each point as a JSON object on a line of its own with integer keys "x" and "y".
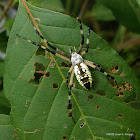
{"x": 83, "y": 75}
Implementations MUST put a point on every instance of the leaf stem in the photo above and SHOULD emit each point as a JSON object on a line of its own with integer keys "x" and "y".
{"x": 57, "y": 65}
{"x": 83, "y": 9}
{"x": 119, "y": 36}
{"x": 32, "y": 18}
{"x": 6, "y": 9}
{"x": 68, "y": 5}
{"x": 83, "y": 115}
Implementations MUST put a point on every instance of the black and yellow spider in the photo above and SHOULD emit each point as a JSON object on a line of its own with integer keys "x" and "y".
{"x": 79, "y": 65}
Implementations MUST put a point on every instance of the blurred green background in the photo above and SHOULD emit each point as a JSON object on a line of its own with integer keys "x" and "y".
{"x": 105, "y": 18}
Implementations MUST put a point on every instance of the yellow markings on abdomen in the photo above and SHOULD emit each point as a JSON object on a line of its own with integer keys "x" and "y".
{"x": 83, "y": 75}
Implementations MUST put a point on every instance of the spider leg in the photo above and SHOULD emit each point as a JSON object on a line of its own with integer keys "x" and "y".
{"x": 70, "y": 70}
{"x": 50, "y": 45}
{"x": 82, "y": 35}
{"x": 70, "y": 87}
{"x": 87, "y": 44}
{"x": 43, "y": 47}
{"x": 96, "y": 66}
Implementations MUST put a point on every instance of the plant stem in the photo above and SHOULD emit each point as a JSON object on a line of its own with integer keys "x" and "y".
{"x": 83, "y": 9}
{"x": 32, "y": 18}
{"x": 119, "y": 38}
{"x": 6, "y": 9}
{"x": 68, "y": 5}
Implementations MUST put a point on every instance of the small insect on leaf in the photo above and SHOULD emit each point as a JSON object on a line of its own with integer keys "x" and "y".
{"x": 83, "y": 124}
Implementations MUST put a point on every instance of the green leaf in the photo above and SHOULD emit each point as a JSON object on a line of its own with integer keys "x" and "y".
{"x": 4, "y": 104}
{"x": 6, "y": 129}
{"x": 3, "y": 40}
{"x": 101, "y": 12}
{"x": 138, "y": 1}
{"x": 48, "y": 4}
{"x": 127, "y": 12}
{"x": 8, "y": 25}
{"x": 1, "y": 69}
{"x": 39, "y": 107}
